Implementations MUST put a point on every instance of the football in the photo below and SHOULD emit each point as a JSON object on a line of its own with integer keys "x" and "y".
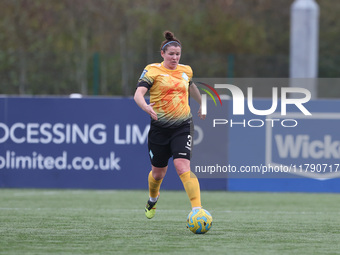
{"x": 199, "y": 221}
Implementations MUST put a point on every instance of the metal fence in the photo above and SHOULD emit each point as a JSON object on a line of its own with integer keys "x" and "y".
{"x": 52, "y": 73}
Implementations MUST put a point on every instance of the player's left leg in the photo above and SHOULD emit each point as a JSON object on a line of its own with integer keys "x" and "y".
{"x": 181, "y": 147}
{"x": 190, "y": 182}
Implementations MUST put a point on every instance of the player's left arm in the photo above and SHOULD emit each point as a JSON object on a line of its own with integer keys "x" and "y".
{"x": 195, "y": 94}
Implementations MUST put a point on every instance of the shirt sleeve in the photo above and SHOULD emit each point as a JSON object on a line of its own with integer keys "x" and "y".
{"x": 190, "y": 75}
{"x": 143, "y": 84}
{"x": 146, "y": 79}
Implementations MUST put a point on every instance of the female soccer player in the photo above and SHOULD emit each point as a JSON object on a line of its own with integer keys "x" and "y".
{"x": 171, "y": 130}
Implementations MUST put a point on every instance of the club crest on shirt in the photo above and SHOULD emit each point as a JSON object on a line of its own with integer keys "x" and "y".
{"x": 185, "y": 76}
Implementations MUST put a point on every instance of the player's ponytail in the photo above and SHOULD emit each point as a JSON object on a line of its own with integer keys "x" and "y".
{"x": 171, "y": 40}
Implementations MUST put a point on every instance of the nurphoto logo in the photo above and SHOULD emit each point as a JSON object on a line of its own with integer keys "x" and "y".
{"x": 238, "y": 104}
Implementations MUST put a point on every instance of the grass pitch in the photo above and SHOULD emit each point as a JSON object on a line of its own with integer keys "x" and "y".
{"x": 113, "y": 222}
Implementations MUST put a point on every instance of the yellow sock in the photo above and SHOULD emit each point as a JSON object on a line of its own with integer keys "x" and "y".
{"x": 192, "y": 187}
{"x": 154, "y": 185}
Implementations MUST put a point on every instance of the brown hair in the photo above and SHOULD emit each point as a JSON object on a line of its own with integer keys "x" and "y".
{"x": 171, "y": 40}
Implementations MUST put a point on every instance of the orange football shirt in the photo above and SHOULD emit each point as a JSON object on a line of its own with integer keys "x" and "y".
{"x": 169, "y": 90}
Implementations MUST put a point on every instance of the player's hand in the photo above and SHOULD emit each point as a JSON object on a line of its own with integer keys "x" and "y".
{"x": 202, "y": 117}
{"x": 151, "y": 112}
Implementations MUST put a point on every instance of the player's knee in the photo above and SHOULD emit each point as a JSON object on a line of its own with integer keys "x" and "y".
{"x": 182, "y": 165}
{"x": 158, "y": 173}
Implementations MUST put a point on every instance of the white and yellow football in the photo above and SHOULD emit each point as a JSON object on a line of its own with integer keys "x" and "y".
{"x": 199, "y": 221}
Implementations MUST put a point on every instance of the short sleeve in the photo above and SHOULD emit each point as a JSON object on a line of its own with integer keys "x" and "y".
{"x": 146, "y": 79}
{"x": 189, "y": 73}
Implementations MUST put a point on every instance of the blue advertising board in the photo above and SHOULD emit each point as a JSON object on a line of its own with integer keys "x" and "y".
{"x": 295, "y": 153}
{"x": 71, "y": 143}
{"x": 101, "y": 143}
{"x": 94, "y": 143}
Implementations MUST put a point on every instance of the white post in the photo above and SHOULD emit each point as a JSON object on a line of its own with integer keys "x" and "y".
{"x": 304, "y": 45}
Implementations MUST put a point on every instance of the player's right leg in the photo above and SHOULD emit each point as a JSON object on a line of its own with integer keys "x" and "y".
{"x": 155, "y": 179}
{"x": 159, "y": 153}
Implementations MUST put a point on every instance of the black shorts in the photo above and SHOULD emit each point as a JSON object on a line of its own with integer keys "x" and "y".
{"x": 164, "y": 143}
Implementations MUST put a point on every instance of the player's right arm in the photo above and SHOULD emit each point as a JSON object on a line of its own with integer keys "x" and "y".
{"x": 140, "y": 101}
